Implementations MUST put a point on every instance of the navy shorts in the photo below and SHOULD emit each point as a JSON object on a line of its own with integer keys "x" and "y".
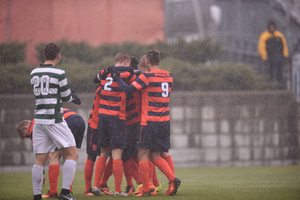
{"x": 155, "y": 136}
{"x": 112, "y": 132}
{"x": 132, "y": 135}
{"x": 92, "y": 146}
{"x": 77, "y": 127}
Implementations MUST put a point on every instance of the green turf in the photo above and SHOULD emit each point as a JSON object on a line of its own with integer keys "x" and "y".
{"x": 197, "y": 183}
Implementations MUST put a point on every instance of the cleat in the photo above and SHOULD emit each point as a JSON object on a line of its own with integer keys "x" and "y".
{"x": 174, "y": 186}
{"x": 153, "y": 192}
{"x": 139, "y": 189}
{"x": 152, "y": 187}
{"x": 96, "y": 191}
{"x": 88, "y": 193}
{"x": 48, "y": 195}
{"x": 130, "y": 190}
{"x": 106, "y": 190}
{"x": 144, "y": 194}
{"x": 158, "y": 188}
{"x": 66, "y": 197}
{"x": 167, "y": 192}
{"x": 122, "y": 194}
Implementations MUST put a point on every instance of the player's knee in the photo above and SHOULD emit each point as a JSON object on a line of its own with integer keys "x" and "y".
{"x": 71, "y": 153}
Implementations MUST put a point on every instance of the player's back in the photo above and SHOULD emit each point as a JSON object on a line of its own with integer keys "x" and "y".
{"x": 69, "y": 114}
{"x": 50, "y": 88}
{"x": 156, "y": 96}
{"x": 133, "y": 108}
{"x": 112, "y": 98}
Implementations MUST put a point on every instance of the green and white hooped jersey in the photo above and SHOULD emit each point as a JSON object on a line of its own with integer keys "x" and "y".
{"x": 50, "y": 88}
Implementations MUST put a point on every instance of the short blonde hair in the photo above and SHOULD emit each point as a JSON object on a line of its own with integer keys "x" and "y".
{"x": 143, "y": 62}
{"x": 121, "y": 57}
{"x": 20, "y": 126}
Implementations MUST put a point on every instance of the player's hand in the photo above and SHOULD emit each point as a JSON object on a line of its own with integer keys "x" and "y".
{"x": 115, "y": 75}
{"x": 107, "y": 71}
{"x": 75, "y": 100}
{"x": 44, "y": 180}
{"x": 110, "y": 69}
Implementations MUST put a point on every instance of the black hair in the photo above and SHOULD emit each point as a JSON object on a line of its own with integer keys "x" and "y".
{"x": 271, "y": 23}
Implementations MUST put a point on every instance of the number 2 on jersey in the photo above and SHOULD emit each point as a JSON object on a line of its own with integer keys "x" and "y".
{"x": 110, "y": 81}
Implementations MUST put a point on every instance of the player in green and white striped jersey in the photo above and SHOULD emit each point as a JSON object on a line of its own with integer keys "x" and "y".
{"x": 50, "y": 94}
{"x": 50, "y": 131}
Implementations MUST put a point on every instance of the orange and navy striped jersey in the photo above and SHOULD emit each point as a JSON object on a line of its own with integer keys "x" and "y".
{"x": 94, "y": 118}
{"x": 112, "y": 98}
{"x": 133, "y": 108}
{"x": 31, "y": 128}
{"x": 155, "y": 88}
{"x": 68, "y": 114}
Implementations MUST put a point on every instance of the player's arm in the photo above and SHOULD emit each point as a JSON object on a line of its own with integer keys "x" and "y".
{"x": 127, "y": 89}
{"x": 64, "y": 88}
{"x": 138, "y": 84}
{"x": 65, "y": 92}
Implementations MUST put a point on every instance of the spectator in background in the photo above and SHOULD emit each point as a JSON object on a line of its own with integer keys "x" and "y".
{"x": 274, "y": 52}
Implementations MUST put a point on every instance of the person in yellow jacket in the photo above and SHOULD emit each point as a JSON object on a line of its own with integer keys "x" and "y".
{"x": 274, "y": 52}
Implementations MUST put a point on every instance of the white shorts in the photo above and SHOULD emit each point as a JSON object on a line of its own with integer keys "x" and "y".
{"x": 48, "y": 137}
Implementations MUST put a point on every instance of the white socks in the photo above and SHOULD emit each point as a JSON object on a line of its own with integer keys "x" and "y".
{"x": 37, "y": 179}
{"x": 69, "y": 169}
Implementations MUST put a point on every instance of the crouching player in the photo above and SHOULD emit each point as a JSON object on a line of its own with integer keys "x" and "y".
{"x": 77, "y": 126}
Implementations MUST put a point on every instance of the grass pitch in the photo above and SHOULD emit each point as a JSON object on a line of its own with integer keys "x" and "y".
{"x": 197, "y": 183}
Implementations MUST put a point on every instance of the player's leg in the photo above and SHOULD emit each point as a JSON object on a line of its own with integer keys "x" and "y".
{"x": 69, "y": 169}
{"x": 117, "y": 169}
{"x": 54, "y": 169}
{"x": 42, "y": 144}
{"x": 37, "y": 175}
{"x": 144, "y": 171}
{"x": 130, "y": 166}
{"x": 151, "y": 185}
{"x": 127, "y": 172}
{"x": 107, "y": 173}
{"x": 166, "y": 170}
{"x": 132, "y": 171}
{"x": 117, "y": 144}
{"x": 63, "y": 138}
{"x": 162, "y": 144}
{"x": 88, "y": 174}
{"x": 99, "y": 170}
{"x": 168, "y": 158}
{"x": 93, "y": 150}
{"x": 155, "y": 180}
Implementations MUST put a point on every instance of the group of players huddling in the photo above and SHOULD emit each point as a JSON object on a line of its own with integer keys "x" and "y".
{"x": 128, "y": 128}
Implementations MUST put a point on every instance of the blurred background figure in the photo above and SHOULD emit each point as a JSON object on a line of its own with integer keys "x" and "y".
{"x": 274, "y": 52}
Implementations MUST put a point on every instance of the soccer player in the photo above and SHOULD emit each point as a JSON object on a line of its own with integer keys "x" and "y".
{"x": 77, "y": 125}
{"x": 133, "y": 109}
{"x": 155, "y": 86}
{"x": 93, "y": 150}
{"x": 50, "y": 131}
{"x": 112, "y": 120}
